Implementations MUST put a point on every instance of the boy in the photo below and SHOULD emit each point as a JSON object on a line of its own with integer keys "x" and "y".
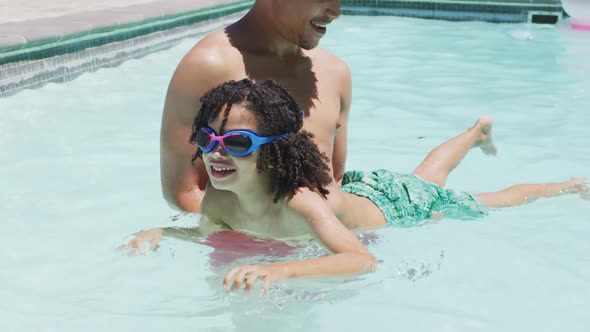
{"x": 268, "y": 178}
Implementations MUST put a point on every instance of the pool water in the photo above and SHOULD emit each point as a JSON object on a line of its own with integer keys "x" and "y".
{"x": 80, "y": 172}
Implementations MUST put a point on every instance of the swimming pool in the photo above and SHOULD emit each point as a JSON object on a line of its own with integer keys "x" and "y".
{"x": 80, "y": 171}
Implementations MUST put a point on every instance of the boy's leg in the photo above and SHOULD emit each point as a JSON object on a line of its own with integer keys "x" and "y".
{"x": 444, "y": 158}
{"x": 526, "y": 193}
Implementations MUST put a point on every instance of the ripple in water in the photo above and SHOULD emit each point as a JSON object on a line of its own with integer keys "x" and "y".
{"x": 414, "y": 271}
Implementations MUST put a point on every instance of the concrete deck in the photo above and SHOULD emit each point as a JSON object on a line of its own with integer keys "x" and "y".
{"x": 26, "y": 21}
{"x": 58, "y": 40}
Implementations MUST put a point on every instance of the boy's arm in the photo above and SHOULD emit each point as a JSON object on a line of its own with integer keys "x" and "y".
{"x": 153, "y": 236}
{"x": 210, "y": 222}
{"x": 349, "y": 255}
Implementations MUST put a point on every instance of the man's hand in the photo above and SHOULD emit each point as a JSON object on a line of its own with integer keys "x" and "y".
{"x": 246, "y": 276}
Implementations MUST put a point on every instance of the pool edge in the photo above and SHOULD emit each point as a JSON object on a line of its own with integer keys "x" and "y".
{"x": 57, "y": 45}
{"x": 59, "y": 59}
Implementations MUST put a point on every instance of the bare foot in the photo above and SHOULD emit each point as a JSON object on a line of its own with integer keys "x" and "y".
{"x": 486, "y": 142}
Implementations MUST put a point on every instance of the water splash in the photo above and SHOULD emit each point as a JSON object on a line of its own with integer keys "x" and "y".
{"x": 521, "y": 34}
{"x": 415, "y": 271}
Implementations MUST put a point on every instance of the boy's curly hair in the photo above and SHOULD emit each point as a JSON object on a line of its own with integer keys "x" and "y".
{"x": 292, "y": 162}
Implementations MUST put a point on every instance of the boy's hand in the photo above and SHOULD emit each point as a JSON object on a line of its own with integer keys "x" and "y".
{"x": 248, "y": 275}
{"x": 137, "y": 245}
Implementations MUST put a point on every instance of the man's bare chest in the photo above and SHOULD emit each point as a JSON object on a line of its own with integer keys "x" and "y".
{"x": 316, "y": 90}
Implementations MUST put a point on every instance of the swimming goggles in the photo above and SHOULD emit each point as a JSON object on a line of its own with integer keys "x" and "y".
{"x": 237, "y": 143}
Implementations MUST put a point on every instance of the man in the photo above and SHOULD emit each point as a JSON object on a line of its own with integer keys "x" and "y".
{"x": 276, "y": 39}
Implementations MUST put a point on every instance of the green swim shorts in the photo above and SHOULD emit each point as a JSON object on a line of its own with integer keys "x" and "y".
{"x": 406, "y": 200}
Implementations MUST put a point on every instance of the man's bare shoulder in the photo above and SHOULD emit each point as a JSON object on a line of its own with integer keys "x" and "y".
{"x": 212, "y": 61}
{"x": 333, "y": 72}
{"x": 325, "y": 60}
{"x": 213, "y": 55}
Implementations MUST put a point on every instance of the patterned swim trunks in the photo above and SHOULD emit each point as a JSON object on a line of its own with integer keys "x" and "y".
{"x": 406, "y": 200}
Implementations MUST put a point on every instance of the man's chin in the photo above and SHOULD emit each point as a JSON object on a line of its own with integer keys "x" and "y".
{"x": 308, "y": 46}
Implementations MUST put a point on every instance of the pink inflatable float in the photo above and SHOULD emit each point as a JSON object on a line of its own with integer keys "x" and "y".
{"x": 579, "y": 11}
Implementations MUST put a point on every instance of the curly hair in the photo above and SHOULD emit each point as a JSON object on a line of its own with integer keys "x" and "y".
{"x": 292, "y": 162}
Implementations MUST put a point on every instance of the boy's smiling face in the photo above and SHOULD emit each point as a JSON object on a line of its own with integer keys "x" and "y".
{"x": 227, "y": 172}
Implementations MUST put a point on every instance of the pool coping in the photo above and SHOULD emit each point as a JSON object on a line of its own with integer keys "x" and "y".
{"x": 60, "y": 59}
{"x": 41, "y": 38}
{"x": 496, "y": 11}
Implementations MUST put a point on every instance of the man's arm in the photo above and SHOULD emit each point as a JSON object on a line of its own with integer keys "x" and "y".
{"x": 340, "y": 141}
{"x": 183, "y": 184}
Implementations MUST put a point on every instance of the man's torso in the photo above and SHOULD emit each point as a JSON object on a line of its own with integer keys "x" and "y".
{"x": 314, "y": 79}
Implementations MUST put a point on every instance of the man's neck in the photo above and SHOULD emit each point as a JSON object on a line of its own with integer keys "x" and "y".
{"x": 267, "y": 40}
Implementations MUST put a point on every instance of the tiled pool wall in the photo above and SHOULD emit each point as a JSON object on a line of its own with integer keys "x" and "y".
{"x": 62, "y": 58}
{"x": 59, "y": 58}
{"x": 497, "y": 11}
